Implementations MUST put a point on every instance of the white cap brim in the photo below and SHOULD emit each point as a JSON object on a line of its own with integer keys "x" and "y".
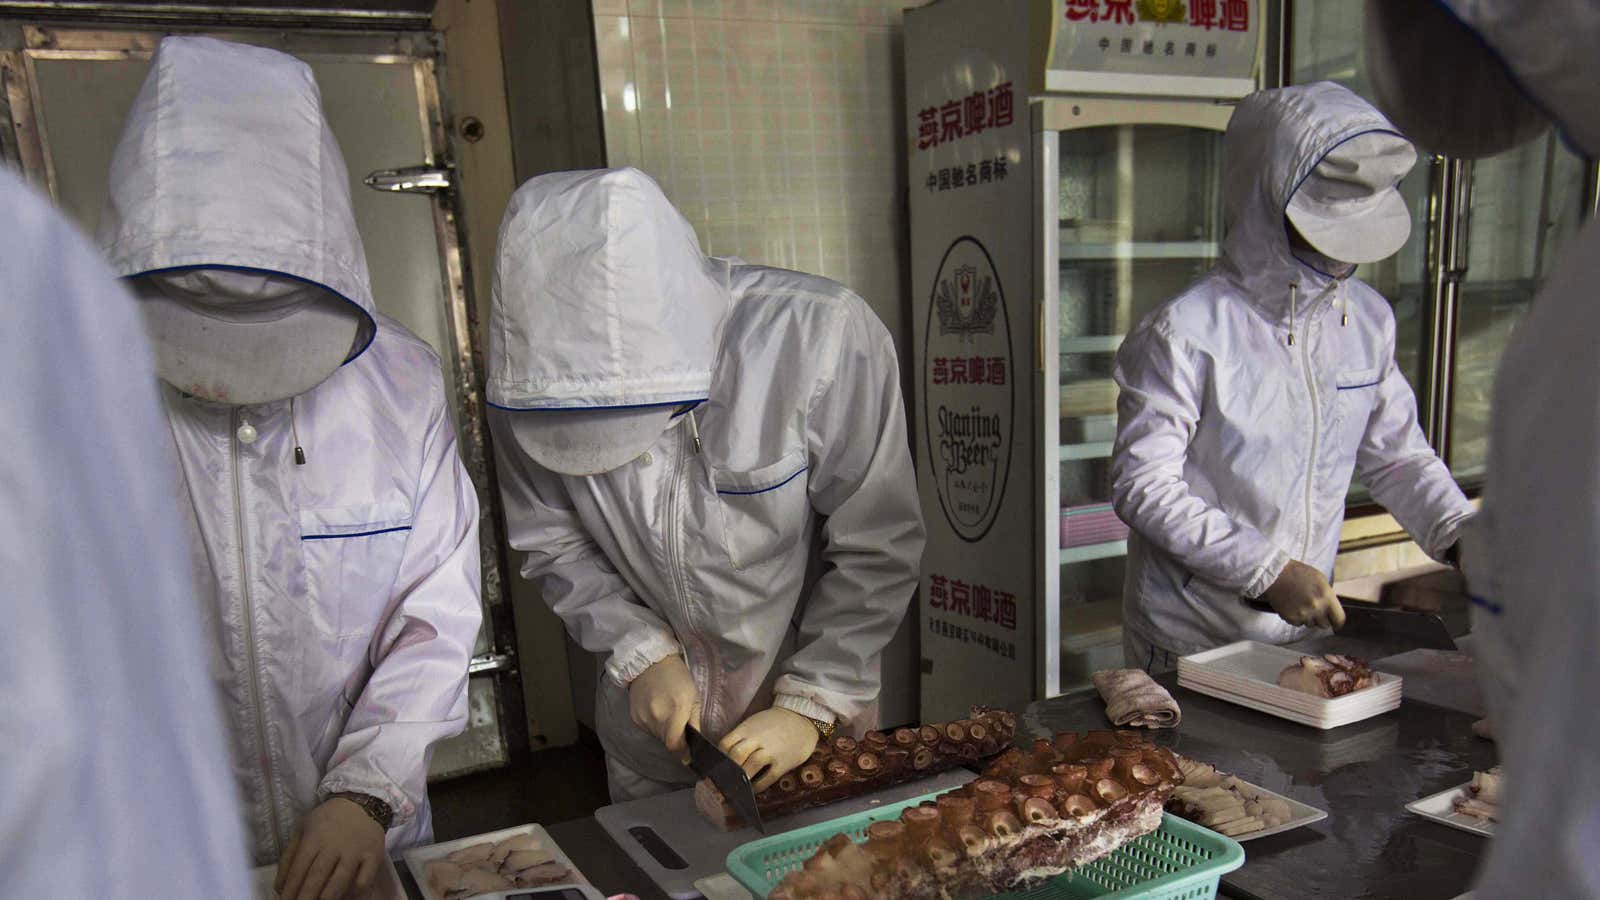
{"x": 248, "y": 362}
{"x": 1375, "y": 231}
{"x": 588, "y": 441}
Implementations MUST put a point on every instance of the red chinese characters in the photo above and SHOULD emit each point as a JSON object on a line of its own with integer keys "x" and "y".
{"x": 975, "y": 601}
{"x": 1235, "y": 15}
{"x": 1228, "y": 15}
{"x": 1083, "y": 10}
{"x": 949, "y": 121}
{"x": 1118, "y": 12}
{"x": 927, "y": 128}
{"x": 969, "y": 370}
{"x": 973, "y": 114}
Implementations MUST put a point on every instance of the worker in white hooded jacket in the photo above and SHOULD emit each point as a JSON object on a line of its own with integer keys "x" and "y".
{"x": 1248, "y": 400}
{"x": 1474, "y": 79}
{"x": 113, "y": 764}
{"x": 707, "y": 465}
{"x": 334, "y": 528}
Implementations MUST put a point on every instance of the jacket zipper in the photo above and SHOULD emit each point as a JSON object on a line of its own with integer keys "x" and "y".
{"x": 250, "y": 638}
{"x": 672, "y": 548}
{"x": 1316, "y": 431}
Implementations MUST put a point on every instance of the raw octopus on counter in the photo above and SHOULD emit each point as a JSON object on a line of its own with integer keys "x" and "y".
{"x": 1032, "y": 815}
{"x": 519, "y": 861}
{"x": 845, "y": 767}
{"x": 1329, "y": 675}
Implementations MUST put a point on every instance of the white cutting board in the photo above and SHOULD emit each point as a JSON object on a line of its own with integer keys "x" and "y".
{"x": 704, "y": 850}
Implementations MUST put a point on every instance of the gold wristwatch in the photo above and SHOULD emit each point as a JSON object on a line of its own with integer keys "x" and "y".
{"x": 825, "y": 729}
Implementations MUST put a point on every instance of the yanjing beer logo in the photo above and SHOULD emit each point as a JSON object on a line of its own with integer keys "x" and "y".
{"x": 968, "y": 389}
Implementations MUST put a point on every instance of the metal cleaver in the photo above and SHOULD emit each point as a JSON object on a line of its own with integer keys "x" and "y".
{"x": 708, "y": 761}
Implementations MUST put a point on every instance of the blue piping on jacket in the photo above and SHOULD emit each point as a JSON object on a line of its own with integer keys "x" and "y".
{"x": 1354, "y": 387}
{"x": 1493, "y": 607}
{"x": 333, "y": 537}
{"x": 766, "y": 489}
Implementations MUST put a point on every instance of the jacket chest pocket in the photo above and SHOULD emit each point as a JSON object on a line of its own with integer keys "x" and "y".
{"x": 1356, "y": 391}
{"x": 352, "y": 556}
{"x": 763, "y": 510}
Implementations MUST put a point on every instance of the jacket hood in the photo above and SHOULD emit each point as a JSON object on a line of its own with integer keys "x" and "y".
{"x": 602, "y": 297}
{"x": 1273, "y": 142}
{"x": 226, "y": 161}
{"x": 1477, "y": 77}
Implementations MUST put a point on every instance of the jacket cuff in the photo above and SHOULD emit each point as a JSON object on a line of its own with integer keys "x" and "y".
{"x": 805, "y": 706}
{"x": 338, "y": 783}
{"x": 1266, "y": 574}
{"x": 626, "y": 665}
{"x": 1445, "y": 535}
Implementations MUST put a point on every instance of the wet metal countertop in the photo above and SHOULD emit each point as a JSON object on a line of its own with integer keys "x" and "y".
{"x": 1362, "y": 774}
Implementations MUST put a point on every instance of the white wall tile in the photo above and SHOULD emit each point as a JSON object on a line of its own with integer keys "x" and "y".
{"x": 772, "y": 123}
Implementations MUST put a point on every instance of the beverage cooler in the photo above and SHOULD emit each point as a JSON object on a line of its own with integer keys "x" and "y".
{"x": 1065, "y": 168}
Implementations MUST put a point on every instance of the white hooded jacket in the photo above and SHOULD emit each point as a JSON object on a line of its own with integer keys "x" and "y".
{"x": 342, "y": 595}
{"x": 113, "y": 765}
{"x": 1532, "y": 557}
{"x": 1235, "y": 447}
{"x": 777, "y": 550}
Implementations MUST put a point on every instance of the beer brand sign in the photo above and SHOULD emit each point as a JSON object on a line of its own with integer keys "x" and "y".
{"x": 970, "y": 402}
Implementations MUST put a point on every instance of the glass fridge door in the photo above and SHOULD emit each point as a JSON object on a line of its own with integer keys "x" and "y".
{"x": 1524, "y": 204}
{"x": 1139, "y": 218}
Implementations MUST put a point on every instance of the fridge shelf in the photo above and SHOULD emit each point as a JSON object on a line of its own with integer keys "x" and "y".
{"x": 1138, "y": 250}
{"x": 1090, "y": 552}
{"x": 1092, "y": 343}
{"x": 1092, "y": 450}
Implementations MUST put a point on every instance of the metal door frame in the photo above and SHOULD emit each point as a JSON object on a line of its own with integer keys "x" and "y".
{"x": 25, "y": 142}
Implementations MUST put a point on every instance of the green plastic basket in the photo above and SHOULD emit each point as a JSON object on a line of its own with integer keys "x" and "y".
{"x": 1178, "y": 861}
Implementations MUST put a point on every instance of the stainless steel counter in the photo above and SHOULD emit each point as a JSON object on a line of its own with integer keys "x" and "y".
{"x": 1362, "y": 775}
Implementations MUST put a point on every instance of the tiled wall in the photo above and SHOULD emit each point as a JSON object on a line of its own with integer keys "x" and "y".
{"x": 773, "y": 126}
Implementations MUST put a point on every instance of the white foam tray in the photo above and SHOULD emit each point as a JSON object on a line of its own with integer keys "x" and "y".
{"x": 1440, "y": 808}
{"x": 417, "y": 858}
{"x": 1300, "y": 814}
{"x": 1246, "y": 673}
{"x": 385, "y": 887}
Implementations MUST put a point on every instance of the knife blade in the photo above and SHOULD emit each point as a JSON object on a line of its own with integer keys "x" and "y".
{"x": 1366, "y": 619}
{"x": 708, "y": 761}
{"x": 1426, "y": 630}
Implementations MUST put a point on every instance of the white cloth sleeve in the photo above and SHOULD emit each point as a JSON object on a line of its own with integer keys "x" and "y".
{"x": 417, "y": 692}
{"x": 1396, "y": 463}
{"x": 579, "y": 583}
{"x": 1158, "y": 411}
{"x": 862, "y": 480}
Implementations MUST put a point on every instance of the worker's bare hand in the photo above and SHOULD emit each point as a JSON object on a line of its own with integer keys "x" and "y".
{"x": 1302, "y": 596}
{"x": 336, "y": 854}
